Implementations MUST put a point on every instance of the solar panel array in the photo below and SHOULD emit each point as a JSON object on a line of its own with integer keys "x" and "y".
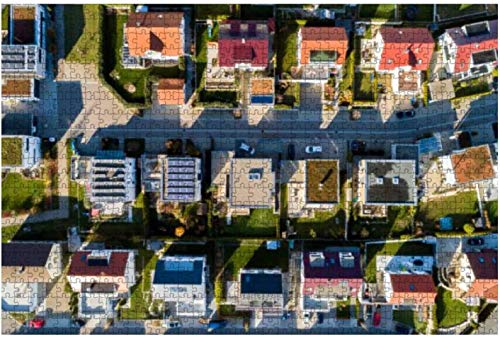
{"x": 180, "y": 179}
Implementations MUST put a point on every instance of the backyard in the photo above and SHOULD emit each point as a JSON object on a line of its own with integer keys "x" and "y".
{"x": 398, "y": 222}
{"x": 212, "y": 11}
{"x": 5, "y": 17}
{"x": 365, "y": 86}
{"x": 472, "y": 87}
{"x": 324, "y": 224}
{"x": 82, "y": 33}
{"x": 450, "y": 312}
{"x": 397, "y": 248}
{"x": 133, "y": 85}
{"x": 22, "y": 195}
{"x": 286, "y": 46}
{"x": 12, "y": 154}
{"x": 461, "y": 207}
{"x": 260, "y": 223}
{"x": 410, "y": 318}
{"x": 417, "y": 13}
{"x": 385, "y": 12}
{"x": 344, "y": 309}
{"x": 449, "y": 11}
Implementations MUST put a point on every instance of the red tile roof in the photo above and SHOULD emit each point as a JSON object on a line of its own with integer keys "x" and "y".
{"x": 406, "y": 47}
{"x": 484, "y": 264}
{"x": 473, "y": 164}
{"x": 170, "y": 91}
{"x": 412, "y": 283}
{"x": 115, "y": 268}
{"x": 323, "y": 39}
{"x": 467, "y": 45}
{"x": 155, "y": 31}
{"x": 242, "y": 48}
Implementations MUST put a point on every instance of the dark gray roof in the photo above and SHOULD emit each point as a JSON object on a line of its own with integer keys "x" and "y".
{"x": 98, "y": 287}
{"x": 390, "y": 191}
{"x": 176, "y": 272}
{"x": 17, "y": 123}
{"x": 261, "y": 283}
{"x": 25, "y": 254}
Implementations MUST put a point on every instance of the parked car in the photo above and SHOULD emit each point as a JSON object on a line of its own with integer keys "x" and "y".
{"x": 314, "y": 149}
{"x": 475, "y": 241}
{"x": 34, "y": 126}
{"x": 306, "y": 318}
{"x": 247, "y": 148}
{"x": 291, "y": 152}
{"x": 285, "y": 315}
{"x": 216, "y": 324}
{"x": 377, "y": 318}
{"x": 78, "y": 322}
{"x": 321, "y": 317}
{"x": 403, "y": 329}
{"x": 358, "y": 146}
{"x": 400, "y": 114}
{"x": 410, "y": 114}
{"x": 36, "y": 323}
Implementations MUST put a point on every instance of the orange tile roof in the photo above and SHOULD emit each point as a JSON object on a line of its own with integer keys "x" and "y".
{"x": 473, "y": 164}
{"x": 170, "y": 91}
{"x": 155, "y": 31}
{"x": 16, "y": 87}
{"x": 323, "y": 39}
{"x": 262, "y": 86}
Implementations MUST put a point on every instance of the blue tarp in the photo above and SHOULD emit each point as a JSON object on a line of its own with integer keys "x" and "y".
{"x": 262, "y": 99}
{"x": 446, "y": 224}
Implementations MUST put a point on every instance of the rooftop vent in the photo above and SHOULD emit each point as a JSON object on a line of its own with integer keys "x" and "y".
{"x": 395, "y": 180}
{"x": 380, "y": 180}
{"x": 317, "y": 259}
{"x": 346, "y": 259}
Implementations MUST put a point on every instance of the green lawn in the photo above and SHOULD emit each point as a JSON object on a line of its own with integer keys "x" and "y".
{"x": 213, "y": 11}
{"x": 398, "y": 222}
{"x": 201, "y": 56}
{"x": 260, "y": 223}
{"x": 449, "y": 312}
{"x": 256, "y": 12}
{"x": 462, "y": 207}
{"x": 410, "y": 318}
{"x": 121, "y": 78}
{"x": 20, "y": 194}
{"x": 5, "y": 17}
{"x": 254, "y": 255}
{"x": 286, "y": 46}
{"x": 122, "y": 235}
{"x": 399, "y": 248}
{"x": 12, "y": 154}
{"x": 140, "y": 297}
{"x": 492, "y": 208}
{"x": 55, "y": 230}
{"x": 344, "y": 309}
{"x": 82, "y": 33}
{"x": 424, "y": 12}
{"x": 449, "y": 11}
{"x": 365, "y": 86}
{"x": 9, "y": 232}
{"x": 377, "y": 11}
{"x": 471, "y": 87}
{"x": 323, "y": 225}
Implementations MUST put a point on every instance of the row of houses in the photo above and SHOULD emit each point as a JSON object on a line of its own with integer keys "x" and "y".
{"x": 103, "y": 279}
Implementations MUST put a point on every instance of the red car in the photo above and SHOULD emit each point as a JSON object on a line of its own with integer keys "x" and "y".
{"x": 377, "y": 318}
{"x": 36, "y": 323}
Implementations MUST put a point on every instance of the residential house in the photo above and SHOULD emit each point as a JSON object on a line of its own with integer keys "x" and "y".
{"x": 20, "y": 152}
{"x": 181, "y": 281}
{"x": 470, "y": 50}
{"x": 474, "y": 276}
{"x": 153, "y": 37}
{"x": 260, "y": 290}
{"x": 244, "y": 44}
{"x": 405, "y": 280}
{"x": 23, "y": 53}
{"x": 319, "y": 50}
{"x": 312, "y": 185}
{"x": 469, "y": 166}
{"x": 27, "y": 270}
{"x": 111, "y": 183}
{"x": 252, "y": 184}
{"x": 404, "y": 53}
{"x": 171, "y": 92}
{"x": 102, "y": 278}
{"x": 328, "y": 276}
{"x": 387, "y": 182}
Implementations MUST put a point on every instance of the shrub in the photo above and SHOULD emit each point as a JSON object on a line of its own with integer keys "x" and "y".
{"x": 469, "y": 229}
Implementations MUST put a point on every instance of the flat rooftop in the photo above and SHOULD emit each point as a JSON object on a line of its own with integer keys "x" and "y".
{"x": 322, "y": 181}
{"x": 252, "y": 183}
{"x": 390, "y": 181}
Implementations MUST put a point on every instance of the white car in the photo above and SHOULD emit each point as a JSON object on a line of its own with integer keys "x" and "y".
{"x": 306, "y": 318}
{"x": 314, "y": 149}
{"x": 247, "y": 148}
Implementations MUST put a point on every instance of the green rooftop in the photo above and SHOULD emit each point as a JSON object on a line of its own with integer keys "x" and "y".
{"x": 12, "y": 153}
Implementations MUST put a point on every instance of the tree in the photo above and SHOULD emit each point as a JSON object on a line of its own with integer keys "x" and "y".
{"x": 469, "y": 229}
{"x": 364, "y": 233}
{"x": 312, "y": 233}
{"x": 179, "y": 231}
